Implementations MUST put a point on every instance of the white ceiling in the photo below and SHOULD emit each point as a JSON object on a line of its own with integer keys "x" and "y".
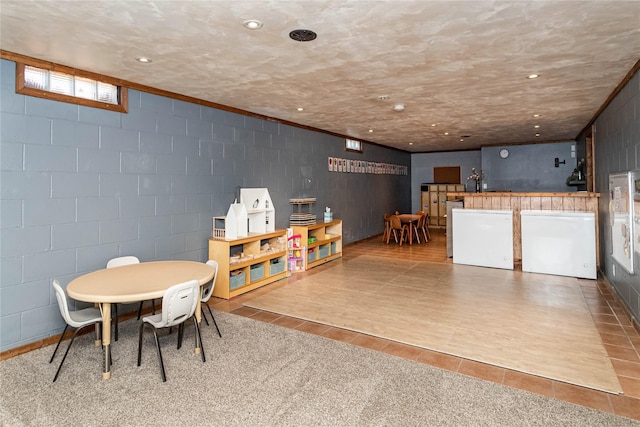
{"x": 460, "y": 65}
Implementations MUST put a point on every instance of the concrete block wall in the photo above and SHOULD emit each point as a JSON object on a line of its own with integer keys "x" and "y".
{"x": 617, "y": 149}
{"x": 79, "y": 186}
{"x": 529, "y": 168}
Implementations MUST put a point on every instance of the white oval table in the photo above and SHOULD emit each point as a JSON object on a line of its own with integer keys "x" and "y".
{"x": 134, "y": 282}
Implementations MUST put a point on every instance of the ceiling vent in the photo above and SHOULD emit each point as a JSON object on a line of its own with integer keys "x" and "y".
{"x": 302, "y": 35}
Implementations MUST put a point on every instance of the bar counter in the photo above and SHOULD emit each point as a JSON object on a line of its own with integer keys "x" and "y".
{"x": 568, "y": 202}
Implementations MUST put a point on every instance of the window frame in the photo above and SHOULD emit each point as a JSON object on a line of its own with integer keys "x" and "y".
{"x": 121, "y": 106}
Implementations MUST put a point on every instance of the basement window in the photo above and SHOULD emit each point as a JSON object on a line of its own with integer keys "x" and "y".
{"x": 353, "y": 145}
{"x": 65, "y": 84}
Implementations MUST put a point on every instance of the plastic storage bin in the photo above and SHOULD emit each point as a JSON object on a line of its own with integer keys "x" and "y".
{"x": 324, "y": 251}
{"x": 256, "y": 272}
{"x": 311, "y": 255}
{"x": 333, "y": 247}
{"x": 236, "y": 279}
{"x": 276, "y": 267}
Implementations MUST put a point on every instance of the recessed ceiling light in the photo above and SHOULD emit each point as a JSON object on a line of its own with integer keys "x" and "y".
{"x": 536, "y": 126}
{"x": 411, "y": 143}
{"x": 143, "y": 59}
{"x": 536, "y": 115}
{"x": 461, "y": 139}
{"x": 446, "y": 133}
{"x": 398, "y": 107}
{"x": 533, "y": 76}
{"x": 252, "y": 24}
{"x": 433, "y": 125}
{"x": 300, "y": 109}
{"x": 370, "y": 130}
{"x": 537, "y": 135}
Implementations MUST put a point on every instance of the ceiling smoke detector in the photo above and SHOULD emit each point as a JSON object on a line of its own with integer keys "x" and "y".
{"x": 398, "y": 107}
{"x": 302, "y": 35}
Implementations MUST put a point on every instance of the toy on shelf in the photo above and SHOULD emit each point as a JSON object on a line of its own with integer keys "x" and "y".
{"x": 295, "y": 249}
{"x": 236, "y": 222}
{"x": 254, "y": 214}
{"x": 260, "y": 211}
{"x": 219, "y": 230}
{"x": 302, "y": 211}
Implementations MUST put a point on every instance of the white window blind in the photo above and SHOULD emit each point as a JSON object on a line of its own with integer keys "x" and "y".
{"x": 86, "y": 88}
{"x": 107, "y": 93}
{"x": 353, "y": 145}
{"x": 61, "y": 83}
{"x": 36, "y": 78}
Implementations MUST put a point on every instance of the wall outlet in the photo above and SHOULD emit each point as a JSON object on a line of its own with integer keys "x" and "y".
{"x": 573, "y": 154}
{"x": 484, "y": 185}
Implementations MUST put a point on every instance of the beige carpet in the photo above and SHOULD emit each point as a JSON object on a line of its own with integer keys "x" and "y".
{"x": 533, "y": 323}
{"x": 262, "y": 375}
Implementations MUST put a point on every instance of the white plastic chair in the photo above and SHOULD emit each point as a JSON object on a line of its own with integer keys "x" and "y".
{"x": 123, "y": 260}
{"x": 178, "y": 305}
{"x": 206, "y": 294}
{"x": 76, "y": 319}
{"x": 117, "y": 262}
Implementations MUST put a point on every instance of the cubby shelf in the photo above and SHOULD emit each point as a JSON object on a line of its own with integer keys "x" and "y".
{"x": 323, "y": 249}
{"x": 433, "y": 201}
{"x": 265, "y": 267}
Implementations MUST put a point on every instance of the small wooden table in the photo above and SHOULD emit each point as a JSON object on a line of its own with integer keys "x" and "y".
{"x": 409, "y": 219}
{"x": 134, "y": 282}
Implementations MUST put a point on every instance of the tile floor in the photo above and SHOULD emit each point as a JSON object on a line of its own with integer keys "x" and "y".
{"x": 620, "y": 338}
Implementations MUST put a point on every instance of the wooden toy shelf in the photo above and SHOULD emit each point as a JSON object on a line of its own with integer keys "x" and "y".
{"x": 328, "y": 244}
{"x": 256, "y": 270}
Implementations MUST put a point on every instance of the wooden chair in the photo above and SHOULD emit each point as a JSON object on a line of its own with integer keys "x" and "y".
{"x": 422, "y": 225}
{"x": 415, "y": 226}
{"x": 387, "y": 228}
{"x": 397, "y": 226}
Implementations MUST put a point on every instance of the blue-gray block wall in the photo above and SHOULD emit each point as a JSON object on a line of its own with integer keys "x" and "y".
{"x": 81, "y": 185}
{"x": 617, "y": 149}
{"x": 528, "y": 168}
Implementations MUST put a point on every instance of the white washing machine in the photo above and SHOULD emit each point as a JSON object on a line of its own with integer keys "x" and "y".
{"x": 560, "y": 243}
